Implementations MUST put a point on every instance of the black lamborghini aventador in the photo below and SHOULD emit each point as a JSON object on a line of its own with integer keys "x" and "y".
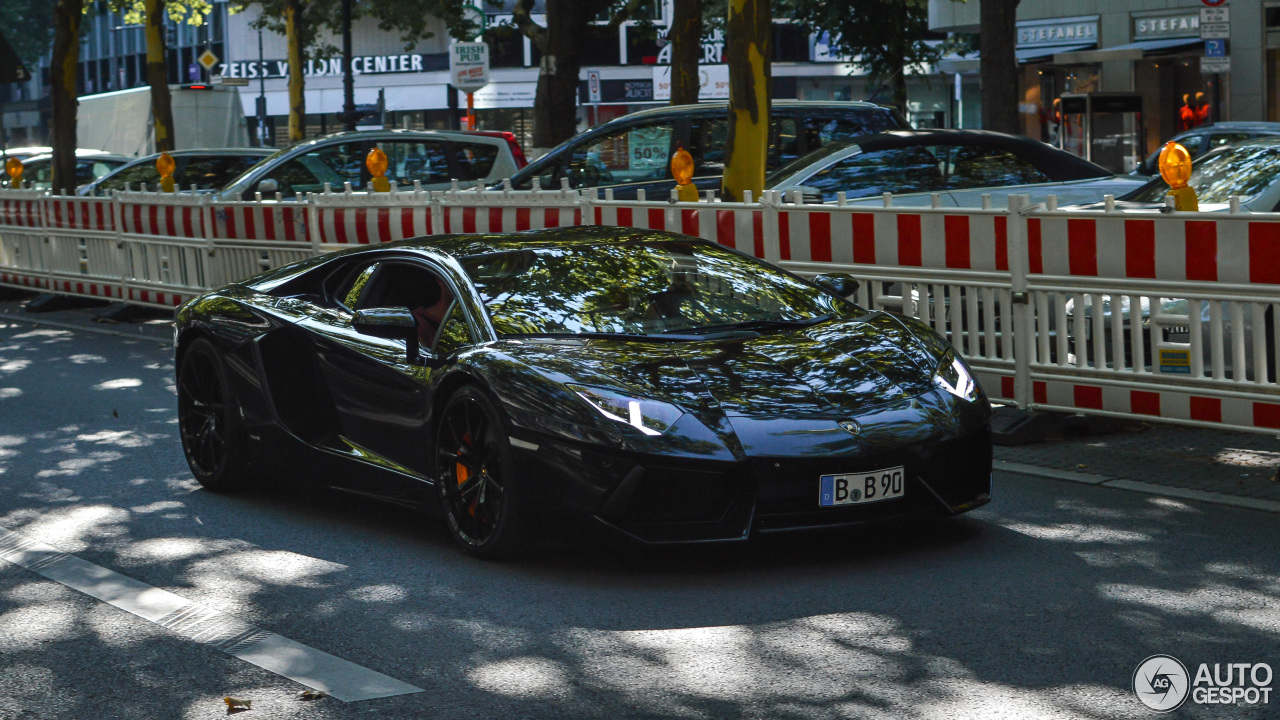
{"x": 668, "y": 387}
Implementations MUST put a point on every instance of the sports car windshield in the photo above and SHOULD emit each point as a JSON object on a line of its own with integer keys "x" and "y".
{"x": 641, "y": 288}
{"x": 1244, "y": 170}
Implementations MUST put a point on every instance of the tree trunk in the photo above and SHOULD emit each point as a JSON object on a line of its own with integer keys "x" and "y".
{"x": 158, "y": 76}
{"x": 555, "y": 107}
{"x": 297, "y": 98}
{"x": 686, "y": 51}
{"x": 748, "y": 52}
{"x": 62, "y": 77}
{"x": 999, "y": 66}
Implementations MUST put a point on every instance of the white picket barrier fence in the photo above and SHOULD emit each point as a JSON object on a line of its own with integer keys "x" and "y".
{"x": 1188, "y": 302}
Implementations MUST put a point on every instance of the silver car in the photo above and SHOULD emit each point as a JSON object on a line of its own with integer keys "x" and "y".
{"x": 429, "y": 157}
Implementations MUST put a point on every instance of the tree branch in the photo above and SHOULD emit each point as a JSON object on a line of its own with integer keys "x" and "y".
{"x": 624, "y": 14}
{"x": 532, "y": 30}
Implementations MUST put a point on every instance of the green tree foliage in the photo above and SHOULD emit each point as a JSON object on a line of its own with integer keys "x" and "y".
{"x": 886, "y": 37}
{"x": 27, "y": 28}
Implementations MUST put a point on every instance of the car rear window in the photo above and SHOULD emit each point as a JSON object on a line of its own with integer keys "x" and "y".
{"x": 212, "y": 172}
{"x": 474, "y": 161}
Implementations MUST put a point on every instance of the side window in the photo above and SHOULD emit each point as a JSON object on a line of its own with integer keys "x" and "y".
{"x": 899, "y": 170}
{"x": 636, "y": 154}
{"x": 425, "y": 162}
{"x": 708, "y": 138}
{"x": 1220, "y": 139}
{"x": 211, "y": 173}
{"x": 343, "y": 163}
{"x": 143, "y": 172}
{"x": 454, "y": 333}
{"x": 473, "y": 161}
{"x": 295, "y": 177}
{"x": 1194, "y": 144}
{"x": 819, "y": 131}
{"x": 974, "y": 167}
{"x": 783, "y": 143}
{"x": 413, "y": 286}
{"x": 348, "y": 292}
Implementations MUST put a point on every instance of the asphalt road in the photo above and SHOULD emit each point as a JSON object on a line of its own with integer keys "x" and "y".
{"x": 1040, "y": 605}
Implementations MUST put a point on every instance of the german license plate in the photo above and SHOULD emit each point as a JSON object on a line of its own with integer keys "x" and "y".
{"x": 860, "y": 488}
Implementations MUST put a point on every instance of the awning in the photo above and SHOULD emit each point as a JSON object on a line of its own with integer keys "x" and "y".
{"x": 1131, "y": 51}
{"x": 971, "y": 63}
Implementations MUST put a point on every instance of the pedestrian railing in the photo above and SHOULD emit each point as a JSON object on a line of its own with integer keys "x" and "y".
{"x": 1169, "y": 316}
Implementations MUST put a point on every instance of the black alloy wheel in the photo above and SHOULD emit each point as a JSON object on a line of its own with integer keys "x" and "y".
{"x": 208, "y": 419}
{"x": 476, "y": 480}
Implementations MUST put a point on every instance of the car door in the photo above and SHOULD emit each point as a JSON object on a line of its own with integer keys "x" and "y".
{"x": 381, "y": 401}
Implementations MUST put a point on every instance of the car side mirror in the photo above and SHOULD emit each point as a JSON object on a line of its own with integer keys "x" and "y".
{"x": 392, "y": 324}
{"x": 842, "y": 284}
{"x": 268, "y": 186}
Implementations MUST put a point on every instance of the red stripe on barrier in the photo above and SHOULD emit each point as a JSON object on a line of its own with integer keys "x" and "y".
{"x": 599, "y": 216}
{"x": 1082, "y": 247}
{"x": 625, "y": 218}
{"x": 784, "y": 235}
{"x": 1144, "y": 402}
{"x": 551, "y": 217}
{"x": 362, "y": 226}
{"x": 956, "y": 233}
{"x": 137, "y": 219}
{"x": 101, "y": 221}
{"x": 864, "y": 238}
{"x": 468, "y": 220}
{"x": 577, "y": 217}
{"x": 820, "y": 237}
{"x": 1088, "y": 396}
{"x": 1266, "y": 415}
{"x": 406, "y": 223}
{"x": 1206, "y": 409}
{"x": 909, "y": 252}
{"x": 1140, "y": 248}
{"x": 657, "y": 220}
{"x": 1002, "y": 242}
{"x": 170, "y": 220}
{"x": 384, "y": 224}
{"x": 495, "y": 220}
{"x": 57, "y": 214}
{"x": 726, "y": 230}
{"x": 153, "y": 220}
{"x": 269, "y": 223}
{"x": 523, "y": 221}
{"x": 188, "y": 229}
{"x": 757, "y": 233}
{"x": 1264, "y": 253}
{"x": 1035, "y": 251}
{"x": 340, "y": 226}
{"x": 250, "y": 230}
{"x": 1202, "y": 250}
{"x": 1006, "y": 387}
{"x": 689, "y": 222}
{"x": 1039, "y": 392}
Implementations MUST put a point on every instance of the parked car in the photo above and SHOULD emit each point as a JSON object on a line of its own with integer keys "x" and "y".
{"x": 1246, "y": 170}
{"x": 633, "y": 152}
{"x": 90, "y": 165}
{"x": 960, "y": 165}
{"x": 671, "y": 388}
{"x": 433, "y": 158}
{"x": 1201, "y": 140}
{"x": 208, "y": 170}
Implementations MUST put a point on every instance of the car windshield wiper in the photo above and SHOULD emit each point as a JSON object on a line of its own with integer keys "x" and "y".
{"x": 749, "y": 325}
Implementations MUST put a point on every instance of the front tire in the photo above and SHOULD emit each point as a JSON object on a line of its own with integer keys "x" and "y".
{"x": 476, "y": 478}
{"x": 209, "y": 420}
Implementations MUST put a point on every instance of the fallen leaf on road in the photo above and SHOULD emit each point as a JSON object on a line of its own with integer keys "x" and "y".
{"x": 237, "y": 703}
{"x": 311, "y": 694}
{"x": 1079, "y": 464}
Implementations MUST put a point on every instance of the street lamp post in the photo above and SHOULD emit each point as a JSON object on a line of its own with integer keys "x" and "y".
{"x": 262, "y": 95}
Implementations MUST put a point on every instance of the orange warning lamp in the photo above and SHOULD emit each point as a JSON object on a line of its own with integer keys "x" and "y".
{"x": 682, "y": 171}
{"x": 13, "y": 166}
{"x": 377, "y": 164}
{"x": 1175, "y": 168}
{"x": 165, "y": 166}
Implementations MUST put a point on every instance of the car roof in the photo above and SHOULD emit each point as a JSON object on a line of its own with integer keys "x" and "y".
{"x": 465, "y": 247}
{"x": 1263, "y": 127}
{"x": 82, "y": 154}
{"x": 721, "y": 107}
{"x": 1069, "y": 167}
{"x": 210, "y": 152}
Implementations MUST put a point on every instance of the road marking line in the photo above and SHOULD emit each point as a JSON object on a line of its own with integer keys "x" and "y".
{"x": 1142, "y": 487}
{"x": 303, "y": 664}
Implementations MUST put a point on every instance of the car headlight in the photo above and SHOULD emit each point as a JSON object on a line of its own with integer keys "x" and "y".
{"x": 953, "y": 376}
{"x": 649, "y": 416}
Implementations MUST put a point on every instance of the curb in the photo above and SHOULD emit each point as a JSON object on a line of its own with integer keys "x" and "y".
{"x": 139, "y": 335}
{"x": 1135, "y": 486}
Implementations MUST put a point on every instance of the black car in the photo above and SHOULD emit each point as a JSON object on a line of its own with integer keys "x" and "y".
{"x": 668, "y": 387}
{"x": 1201, "y": 140}
{"x": 633, "y": 152}
{"x": 206, "y": 170}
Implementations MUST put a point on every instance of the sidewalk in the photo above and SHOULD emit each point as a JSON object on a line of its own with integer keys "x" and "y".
{"x": 1210, "y": 465}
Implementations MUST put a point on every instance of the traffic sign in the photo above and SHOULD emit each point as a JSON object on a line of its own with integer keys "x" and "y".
{"x": 207, "y": 59}
{"x": 1215, "y": 14}
{"x": 593, "y": 86}
{"x": 469, "y": 65}
{"x": 1215, "y": 65}
{"x": 1215, "y": 31}
{"x": 1213, "y": 3}
{"x": 1215, "y": 48}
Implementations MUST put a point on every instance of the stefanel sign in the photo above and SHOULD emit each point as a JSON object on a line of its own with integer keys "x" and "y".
{"x": 469, "y": 65}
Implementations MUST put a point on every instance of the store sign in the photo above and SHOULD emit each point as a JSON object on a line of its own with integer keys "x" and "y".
{"x": 1167, "y": 26}
{"x": 361, "y": 65}
{"x": 715, "y": 82}
{"x": 1072, "y": 31}
{"x": 469, "y": 65}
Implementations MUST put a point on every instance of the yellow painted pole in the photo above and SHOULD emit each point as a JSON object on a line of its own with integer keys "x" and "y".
{"x": 749, "y": 30}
